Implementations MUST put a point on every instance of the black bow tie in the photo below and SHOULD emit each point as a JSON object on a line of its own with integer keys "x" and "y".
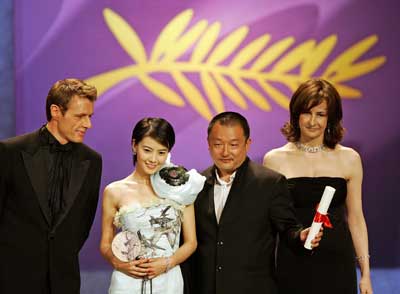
{"x": 55, "y": 146}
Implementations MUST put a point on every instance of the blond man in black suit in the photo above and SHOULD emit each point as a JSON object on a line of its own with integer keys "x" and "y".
{"x": 49, "y": 184}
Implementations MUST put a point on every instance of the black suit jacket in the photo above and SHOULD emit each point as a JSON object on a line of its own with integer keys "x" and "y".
{"x": 34, "y": 256}
{"x": 236, "y": 256}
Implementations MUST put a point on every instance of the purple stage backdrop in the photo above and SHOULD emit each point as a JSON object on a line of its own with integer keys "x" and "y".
{"x": 188, "y": 60}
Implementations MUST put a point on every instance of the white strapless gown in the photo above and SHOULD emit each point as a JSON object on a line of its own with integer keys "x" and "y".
{"x": 158, "y": 226}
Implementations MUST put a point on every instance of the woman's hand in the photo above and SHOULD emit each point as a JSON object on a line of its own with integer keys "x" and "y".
{"x": 157, "y": 266}
{"x": 132, "y": 268}
{"x": 365, "y": 285}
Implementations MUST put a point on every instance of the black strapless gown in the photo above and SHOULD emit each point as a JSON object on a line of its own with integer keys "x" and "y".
{"x": 330, "y": 268}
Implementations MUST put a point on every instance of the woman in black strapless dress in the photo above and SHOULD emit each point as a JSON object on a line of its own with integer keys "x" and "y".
{"x": 311, "y": 160}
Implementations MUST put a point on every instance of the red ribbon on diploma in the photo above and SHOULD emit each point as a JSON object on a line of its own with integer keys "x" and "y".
{"x": 323, "y": 218}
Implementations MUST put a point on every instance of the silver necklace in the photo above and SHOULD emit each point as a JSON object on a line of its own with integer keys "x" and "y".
{"x": 309, "y": 149}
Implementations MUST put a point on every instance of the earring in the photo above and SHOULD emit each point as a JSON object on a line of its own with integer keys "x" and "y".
{"x": 328, "y": 129}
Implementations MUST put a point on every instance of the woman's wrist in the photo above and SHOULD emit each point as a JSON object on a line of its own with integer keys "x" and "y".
{"x": 362, "y": 257}
{"x": 169, "y": 263}
{"x": 363, "y": 262}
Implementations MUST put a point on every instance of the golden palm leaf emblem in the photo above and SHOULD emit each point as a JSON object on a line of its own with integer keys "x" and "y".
{"x": 241, "y": 80}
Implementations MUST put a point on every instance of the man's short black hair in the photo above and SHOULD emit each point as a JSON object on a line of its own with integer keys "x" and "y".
{"x": 230, "y": 118}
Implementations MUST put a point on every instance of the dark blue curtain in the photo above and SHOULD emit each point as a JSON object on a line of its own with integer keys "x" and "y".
{"x": 7, "y": 98}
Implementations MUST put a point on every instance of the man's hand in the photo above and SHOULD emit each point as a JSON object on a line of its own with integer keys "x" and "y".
{"x": 315, "y": 241}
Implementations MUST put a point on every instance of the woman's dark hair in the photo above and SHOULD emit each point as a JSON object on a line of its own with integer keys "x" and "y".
{"x": 310, "y": 94}
{"x": 156, "y": 128}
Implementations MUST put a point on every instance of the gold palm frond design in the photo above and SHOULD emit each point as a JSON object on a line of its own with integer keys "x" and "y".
{"x": 241, "y": 75}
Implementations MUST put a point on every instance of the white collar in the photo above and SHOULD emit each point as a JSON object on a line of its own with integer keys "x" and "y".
{"x": 222, "y": 182}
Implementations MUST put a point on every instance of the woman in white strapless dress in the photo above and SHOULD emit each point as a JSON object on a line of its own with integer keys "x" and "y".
{"x": 154, "y": 206}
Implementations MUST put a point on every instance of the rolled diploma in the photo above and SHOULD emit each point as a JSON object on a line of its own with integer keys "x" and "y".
{"x": 322, "y": 209}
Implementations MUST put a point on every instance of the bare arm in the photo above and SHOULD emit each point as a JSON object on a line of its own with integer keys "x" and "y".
{"x": 357, "y": 225}
{"x": 189, "y": 237}
{"x": 108, "y": 232}
{"x": 160, "y": 265}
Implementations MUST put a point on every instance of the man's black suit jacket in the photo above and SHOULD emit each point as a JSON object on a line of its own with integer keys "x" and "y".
{"x": 34, "y": 256}
{"x": 236, "y": 256}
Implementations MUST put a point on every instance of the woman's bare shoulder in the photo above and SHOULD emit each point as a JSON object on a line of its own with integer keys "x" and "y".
{"x": 280, "y": 152}
{"x": 275, "y": 156}
{"x": 117, "y": 187}
{"x": 347, "y": 153}
{"x": 350, "y": 161}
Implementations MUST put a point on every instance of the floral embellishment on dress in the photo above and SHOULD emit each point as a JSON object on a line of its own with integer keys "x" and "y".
{"x": 174, "y": 175}
{"x": 165, "y": 223}
{"x": 163, "y": 216}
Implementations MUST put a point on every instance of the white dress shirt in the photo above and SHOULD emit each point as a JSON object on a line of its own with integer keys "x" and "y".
{"x": 221, "y": 191}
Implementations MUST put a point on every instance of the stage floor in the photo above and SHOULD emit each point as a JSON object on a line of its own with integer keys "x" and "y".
{"x": 384, "y": 281}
